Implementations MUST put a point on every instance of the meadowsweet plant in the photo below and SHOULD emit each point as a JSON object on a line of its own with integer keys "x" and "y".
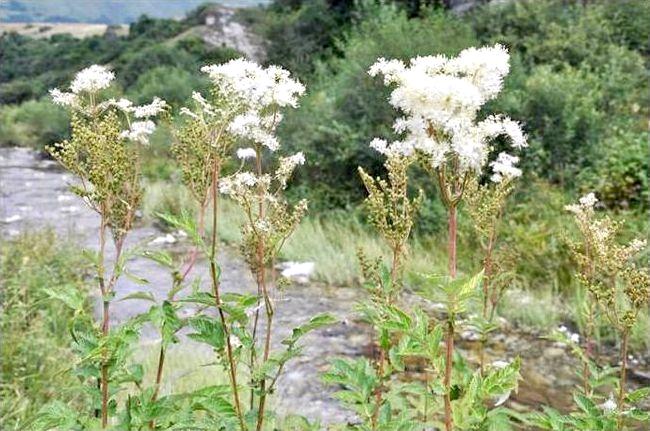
{"x": 619, "y": 288}
{"x": 103, "y": 152}
{"x": 485, "y": 205}
{"x": 440, "y": 99}
{"x": 392, "y": 212}
{"x": 239, "y": 119}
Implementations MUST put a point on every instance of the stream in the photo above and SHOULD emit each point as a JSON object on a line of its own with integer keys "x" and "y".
{"x": 34, "y": 195}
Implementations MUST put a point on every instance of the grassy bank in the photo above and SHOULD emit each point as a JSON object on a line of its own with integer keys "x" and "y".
{"x": 34, "y": 326}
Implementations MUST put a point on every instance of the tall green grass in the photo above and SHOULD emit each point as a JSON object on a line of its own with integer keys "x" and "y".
{"x": 34, "y": 328}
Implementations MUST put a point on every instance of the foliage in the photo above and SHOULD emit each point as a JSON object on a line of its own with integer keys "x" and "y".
{"x": 348, "y": 104}
{"x": 32, "y": 124}
{"x": 36, "y": 272}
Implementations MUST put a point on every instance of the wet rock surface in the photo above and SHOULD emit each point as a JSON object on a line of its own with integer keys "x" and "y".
{"x": 34, "y": 195}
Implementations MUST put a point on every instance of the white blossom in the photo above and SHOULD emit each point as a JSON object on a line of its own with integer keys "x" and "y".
{"x": 62, "y": 98}
{"x": 237, "y": 182}
{"x": 139, "y": 131}
{"x": 151, "y": 110}
{"x": 504, "y": 167}
{"x": 246, "y": 153}
{"x": 92, "y": 79}
{"x": 257, "y": 93}
{"x": 588, "y": 201}
{"x": 440, "y": 98}
{"x": 189, "y": 113}
{"x": 585, "y": 204}
{"x": 124, "y": 104}
{"x": 288, "y": 165}
{"x": 485, "y": 67}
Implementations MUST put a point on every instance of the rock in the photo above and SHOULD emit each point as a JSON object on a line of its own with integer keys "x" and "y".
{"x": 70, "y": 209}
{"x": 553, "y": 352}
{"x": 470, "y": 335}
{"x": 165, "y": 239}
{"x": 299, "y": 272}
{"x": 12, "y": 219}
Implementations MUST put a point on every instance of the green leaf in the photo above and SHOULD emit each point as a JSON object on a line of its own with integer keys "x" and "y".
{"x": 56, "y": 415}
{"x": 208, "y": 331}
{"x": 145, "y": 296}
{"x": 638, "y": 395}
{"x": 67, "y": 294}
{"x": 160, "y": 257}
{"x": 587, "y": 405}
{"x": 135, "y": 278}
{"x": 315, "y": 322}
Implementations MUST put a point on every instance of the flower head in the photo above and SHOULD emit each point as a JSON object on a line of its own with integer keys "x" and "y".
{"x": 246, "y": 153}
{"x": 139, "y": 131}
{"x": 504, "y": 167}
{"x": 441, "y": 98}
{"x": 61, "y": 98}
{"x": 92, "y": 79}
{"x": 156, "y": 106}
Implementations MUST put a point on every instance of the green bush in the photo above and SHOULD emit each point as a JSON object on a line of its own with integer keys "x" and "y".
{"x": 35, "y": 124}
{"x": 134, "y": 63}
{"x": 172, "y": 84}
{"x": 345, "y": 108}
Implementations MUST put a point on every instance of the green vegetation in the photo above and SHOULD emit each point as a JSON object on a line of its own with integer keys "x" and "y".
{"x": 578, "y": 83}
{"x": 97, "y": 11}
{"x": 156, "y": 58}
{"x": 35, "y": 273}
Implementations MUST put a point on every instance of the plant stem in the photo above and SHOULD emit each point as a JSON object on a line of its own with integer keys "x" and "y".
{"x": 487, "y": 274}
{"x": 622, "y": 379}
{"x": 449, "y": 337}
{"x": 105, "y": 315}
{"x": 452, "y": 241}
{"x": 215, "y": 287}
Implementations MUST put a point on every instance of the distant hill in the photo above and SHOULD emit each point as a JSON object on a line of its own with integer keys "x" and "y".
{"x": 102, "y": 11}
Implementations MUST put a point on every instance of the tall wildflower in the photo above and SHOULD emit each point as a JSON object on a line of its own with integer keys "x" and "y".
{"x": 613, "y": 278}
{"x": 240, "y": 118}
{"x": 270, "y": 219}
{"x": 103, "y": 153}
{"x": 485, "y": 205}
{"x": 440, "y": 99}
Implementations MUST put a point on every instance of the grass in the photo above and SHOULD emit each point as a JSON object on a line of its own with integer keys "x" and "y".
{"x": 543, "y": 293}
{"x": 34, "y": 327}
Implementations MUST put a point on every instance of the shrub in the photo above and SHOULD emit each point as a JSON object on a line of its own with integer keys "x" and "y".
{"x": 32, "y": 124}
{"x": 344, "y": 106}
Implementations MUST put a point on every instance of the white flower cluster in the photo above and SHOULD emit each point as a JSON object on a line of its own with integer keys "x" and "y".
{"x": 88, "y": 80}
{"x": 571, "y": 336}
{"x": 585, "y": 205}
{"x": 156, "y": 106}
{"x": 240, "y": 182}
{"x": 246, "y": 153}
{"x": 92, "y": 79}
{"x": 287, "y": 166}
{"x": 96, "y": 78}
{"x": 257, "y": 89}
{"x": 504, "y": 168}
{"x": 440, "y": 98}
{"x": 139, "y": 131}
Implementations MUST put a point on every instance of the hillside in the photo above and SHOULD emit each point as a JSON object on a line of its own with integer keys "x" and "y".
{"x": 101, "y": 11}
